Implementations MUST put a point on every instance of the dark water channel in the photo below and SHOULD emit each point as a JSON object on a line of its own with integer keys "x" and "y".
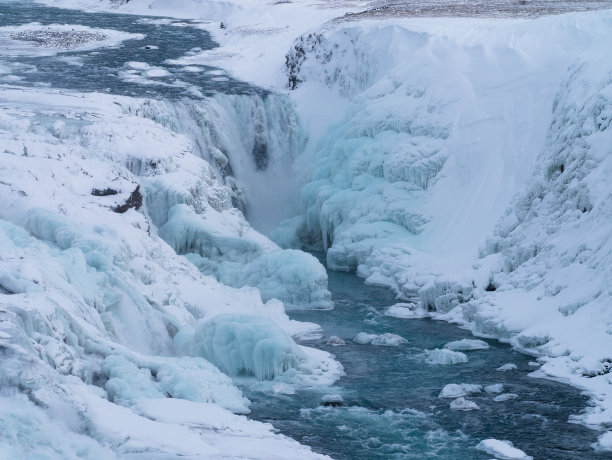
{"x": 392, "y": 408}
{"x": 105, "y": 69}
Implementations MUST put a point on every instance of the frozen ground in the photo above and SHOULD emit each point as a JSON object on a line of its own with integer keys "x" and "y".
{"x": 468, "y": 159}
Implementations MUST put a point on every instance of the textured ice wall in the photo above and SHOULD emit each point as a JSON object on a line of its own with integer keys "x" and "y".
{"x": 91, "y": 298}
{"x": 472, "y": 165}
{"x": 249, "y": 144}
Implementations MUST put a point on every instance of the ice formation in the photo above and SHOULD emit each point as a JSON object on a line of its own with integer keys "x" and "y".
{"x": 94, "y": 303}
{"x": 444, "y": 356}
{"x": 453, "y": 390}
{"x": 507, "y": 367}
{"x": 467, "y": 345}
{"x": 496, "y": 388}
{"x": 505, "y": 397}
{"x": 387, "y": 339}
{"x": 242, "y": 344}
{"x": 503, "y": 450}
{"x": 463, "y": 404}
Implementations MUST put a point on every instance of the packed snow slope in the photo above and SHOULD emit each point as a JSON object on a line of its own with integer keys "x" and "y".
{"x": 465, "y": 159}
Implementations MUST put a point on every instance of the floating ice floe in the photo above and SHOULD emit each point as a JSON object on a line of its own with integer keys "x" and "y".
{"x": 496, "y": 388}
{"x": 386, "y": 340}
{"x": 445, "y": 356}
{"x": 505, "y": 397}
{"x": 454, "y": 390}
{"x": 467, "y": 345}
{"x": 507, "y": 367}
{"x": 406, "y": 310}
{"x": 335, "y": 341}
{"x": 502, "y": 450}
{"x": 463, "y": 404}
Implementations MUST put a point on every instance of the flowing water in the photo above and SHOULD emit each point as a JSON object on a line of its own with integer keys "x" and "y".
{"x": 391, "y": 404}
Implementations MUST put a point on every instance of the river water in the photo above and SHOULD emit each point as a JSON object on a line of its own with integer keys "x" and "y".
{"x": 391, "y": 404}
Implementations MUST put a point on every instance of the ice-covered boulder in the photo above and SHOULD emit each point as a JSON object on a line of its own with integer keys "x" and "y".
{"x": 467, "y": 345}
{"x": 454, "y": 390}
{"x": 463, "y": 404}
{"x": 507, "y": 367}
{"x": 505, "y": 397}
{"x": 445, "y": 356}
{"x": 386, "y": 340}
{"x": 503, "y": 450}
{"x": 406, "y": 310}
{"x": 242, "y": 344}
{"x": 335, "y": 341}
{"x": 496, "y": 388}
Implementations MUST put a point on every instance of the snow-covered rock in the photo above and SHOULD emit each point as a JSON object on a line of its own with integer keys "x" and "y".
{"x": 454, "y": 390}
{"x": 386, "y": 340}
{"x": 467, "y": 345}
{"x": 503, "y": 450}
{"x": 463, "y": 404}
{"x": 445, "y": 356}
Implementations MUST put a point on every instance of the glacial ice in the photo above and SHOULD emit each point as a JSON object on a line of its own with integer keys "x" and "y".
{"x": 445, "y": 356}
{"x": 242, "y": 344}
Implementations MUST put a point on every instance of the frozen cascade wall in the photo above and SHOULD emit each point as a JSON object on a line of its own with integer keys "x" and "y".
{"x": 249, "y": 143}
{"x": 473, "y": 166}
{"x": 92, "y": 299}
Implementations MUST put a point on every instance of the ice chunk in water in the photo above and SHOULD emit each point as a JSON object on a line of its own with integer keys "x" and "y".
{"x": 503, "y": 450}
{"x": 463, "y": 404}
{"x": 240, "y": 344}
{"x": 467, "y": 345}
{"x": 505, "y": 397}
{"x": 445, "y": 356}
{"x": 453, "y": 390}
{"x": 335, "y": 341}
{"x": 497, "y": 388}
{"x": 406, "y": 311}
{"x": 507, "y": 367}
{"x": 386, "y": 340}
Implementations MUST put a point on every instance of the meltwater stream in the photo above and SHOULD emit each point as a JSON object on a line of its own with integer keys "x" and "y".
{"x": 391, "y": 404}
